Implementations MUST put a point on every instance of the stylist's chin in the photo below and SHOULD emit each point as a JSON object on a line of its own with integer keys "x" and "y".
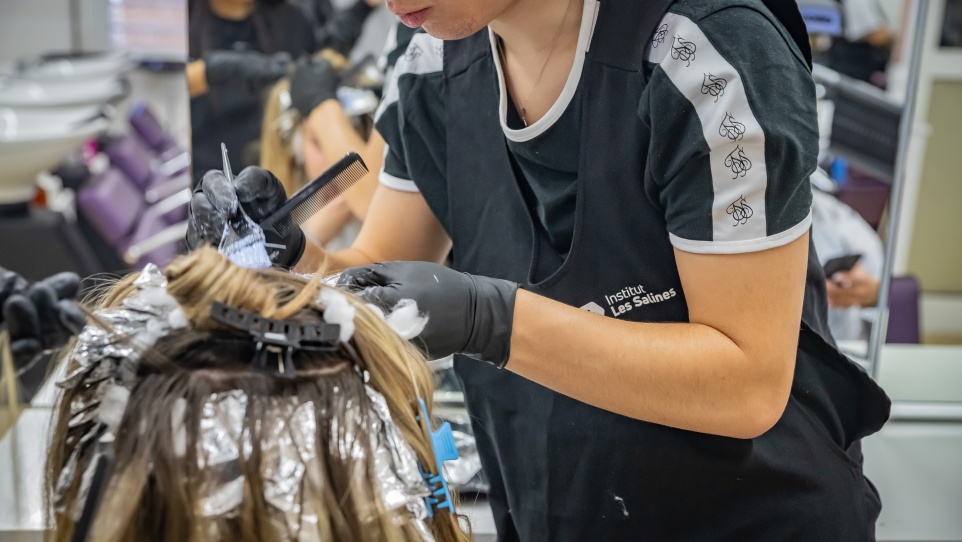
{"x": 446, "y": 19}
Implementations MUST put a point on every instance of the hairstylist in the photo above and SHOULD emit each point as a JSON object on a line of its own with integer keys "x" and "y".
{"x": 647, "y": 162}
{"x": 240, "y": 47}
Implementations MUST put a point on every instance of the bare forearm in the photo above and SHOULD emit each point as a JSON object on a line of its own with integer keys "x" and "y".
{"x": 196, "y": 78}
{"x": 318, "y": 260}
{"x": 337, "y": 136}
{"x": 688, "y": 376}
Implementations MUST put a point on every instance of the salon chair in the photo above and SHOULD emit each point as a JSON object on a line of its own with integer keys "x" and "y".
{"x": 904, "y": 326}
{"x": 148, "y": 128}
{"x": 129, "y": 155}
{"x": 115, "y": 207}
{"x": 867, "y": 195}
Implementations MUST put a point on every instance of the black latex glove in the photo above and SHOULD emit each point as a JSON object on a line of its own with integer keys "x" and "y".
{"x": 10, "y": 284}
{"x": 42, "y": 316}
{"x": 314, "y": 82}
{"x": 249, "y": 68}
{"x": 467, "y": 314}
{"x": 259, "y": 193}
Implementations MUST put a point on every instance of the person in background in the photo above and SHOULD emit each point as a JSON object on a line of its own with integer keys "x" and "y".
{"x": 864, "y": 49}
{"x": 306, "y": 130}
{"x": 837, "y": 230}
{"x": 333, "y": 29}
{"x": 239, "y": 47}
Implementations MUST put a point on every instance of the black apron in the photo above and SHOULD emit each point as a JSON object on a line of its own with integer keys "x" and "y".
{"x": 563, "y": 470}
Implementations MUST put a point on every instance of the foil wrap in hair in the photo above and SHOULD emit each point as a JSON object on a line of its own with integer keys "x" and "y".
{"x": 460, "y": 471}
{"x": 105, "y": 365}
{"x": 396, "y": 466}
{"x": 288, "y": 459}
{"x": 220, "y": 443}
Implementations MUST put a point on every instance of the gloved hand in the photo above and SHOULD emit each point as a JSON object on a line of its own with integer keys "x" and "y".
{"x": 314, "y": 82}
{"x": 41, "y": 316}
{"x": 10, "y": 284}
{"x": 259, "y": 193}
{"x": 250, "y": 68}
{"x": 467, "y": 314}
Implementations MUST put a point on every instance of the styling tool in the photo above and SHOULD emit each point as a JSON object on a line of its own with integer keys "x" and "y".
{"x": 243, "y": 241}
{"x": 316, "y": 194}
{"x": 445, "y": 449}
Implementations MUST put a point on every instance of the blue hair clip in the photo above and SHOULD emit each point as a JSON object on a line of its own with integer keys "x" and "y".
{"x": 442, "y": 441}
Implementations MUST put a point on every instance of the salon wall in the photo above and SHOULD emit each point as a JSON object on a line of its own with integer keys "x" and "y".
{"x": 28, "y": 27}
{"x": 936, "y": 252}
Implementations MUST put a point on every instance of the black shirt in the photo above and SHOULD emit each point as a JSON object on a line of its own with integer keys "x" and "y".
{"x": 547, "y": 168}
{"x": 233, "y": 114}
{"x": 337, "y": 30}
{"x": 727, "y": 142}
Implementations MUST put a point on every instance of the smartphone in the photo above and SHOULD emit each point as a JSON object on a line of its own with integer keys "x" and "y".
{"x": 842, "y": 263}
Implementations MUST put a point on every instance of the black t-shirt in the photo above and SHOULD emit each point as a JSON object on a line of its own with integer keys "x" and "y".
{"x": 233, "y": 114}
{"x": 547, "y": 169}
{"x": 333, "y": 29}
{"x": 738, "y": 139}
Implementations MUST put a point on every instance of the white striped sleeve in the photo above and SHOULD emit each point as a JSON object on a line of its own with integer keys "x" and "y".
{"x": 736, "y": 144}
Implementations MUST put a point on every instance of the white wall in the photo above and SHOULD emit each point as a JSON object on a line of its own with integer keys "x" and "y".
{"x": 29, "y": 27}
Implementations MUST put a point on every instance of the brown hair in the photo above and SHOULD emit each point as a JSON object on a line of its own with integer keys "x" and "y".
{"x": 156, "y": 493}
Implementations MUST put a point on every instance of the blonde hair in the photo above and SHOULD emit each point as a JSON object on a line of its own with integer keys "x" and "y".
{"x": 277, "y": 152}
{"x": 152, "y": 494}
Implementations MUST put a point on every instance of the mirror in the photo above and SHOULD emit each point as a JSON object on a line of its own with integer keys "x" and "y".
{"x": 859, "y": 120}
{"x": 243, "y": 53}
{"x": 93, "y": 138}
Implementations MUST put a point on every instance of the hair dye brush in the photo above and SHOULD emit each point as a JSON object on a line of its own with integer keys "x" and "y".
{"x": 243, "y": 242}
{"x": 317, "y": 194}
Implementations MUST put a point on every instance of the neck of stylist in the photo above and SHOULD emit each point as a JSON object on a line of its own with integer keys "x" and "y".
{"x": 538, "y": 41}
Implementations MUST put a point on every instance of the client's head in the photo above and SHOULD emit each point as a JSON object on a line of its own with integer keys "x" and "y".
{"x": 182, "y": 418}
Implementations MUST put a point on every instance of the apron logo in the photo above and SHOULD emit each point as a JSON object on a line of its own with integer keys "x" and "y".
{"x": 738, "y": 162}
{"x": 659, "y": 36}
{"x": 594, "y": 307}
{"x": 683, "y": 50}
{"x": 628, "y": 299}
{"x": 731, "y": 128}
{"x": 740, "y": 211}
{"x": 714, "y": 86}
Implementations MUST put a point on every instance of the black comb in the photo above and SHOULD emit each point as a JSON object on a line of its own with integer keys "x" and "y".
{"x": 318, "y": 193}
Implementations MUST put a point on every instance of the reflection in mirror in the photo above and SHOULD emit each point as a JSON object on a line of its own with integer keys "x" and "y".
{"x": 258, "y": 74}
{"x": 859, "y": 141}
{"x": 92, "y": 135}
{"x": 93, "y": 167}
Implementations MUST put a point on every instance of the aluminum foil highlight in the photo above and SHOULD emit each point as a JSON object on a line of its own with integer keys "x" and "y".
{"x": 103, "y": 365}
{"x": 396, "y": 466}
{"x": 220, "y": 442}
{"x": 288, "y": 446}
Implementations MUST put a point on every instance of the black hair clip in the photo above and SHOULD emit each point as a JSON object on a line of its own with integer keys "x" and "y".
{"x": 278, "y": 336}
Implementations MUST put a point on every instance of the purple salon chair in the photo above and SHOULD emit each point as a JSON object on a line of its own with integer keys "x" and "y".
{"x": 868, "y": 196}
{"x": 904, "y": 322}
{"x": 146, "y": 125}
{"x": 152, "y": 225}
{"x": 129, "y": 155}
{"x": 112, "y": 204}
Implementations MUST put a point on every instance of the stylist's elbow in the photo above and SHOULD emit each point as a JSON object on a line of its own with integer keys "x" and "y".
{"x": 765, "y": 400}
